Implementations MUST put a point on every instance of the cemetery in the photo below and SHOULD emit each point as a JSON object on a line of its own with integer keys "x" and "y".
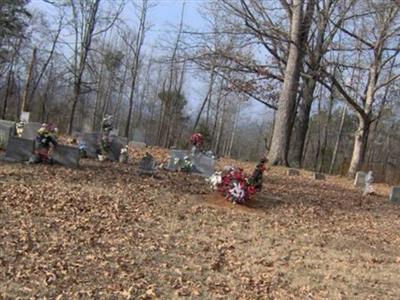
{"x": 157, "y": 188}
{"x": 199, "y": 149}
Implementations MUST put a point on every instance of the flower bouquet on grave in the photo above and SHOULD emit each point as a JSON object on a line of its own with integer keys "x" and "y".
{"x": 46, "y": 138}
{"x": 184, "y": 164}
{"x": 235, "y": 185}
{"x": 197, "y": 141}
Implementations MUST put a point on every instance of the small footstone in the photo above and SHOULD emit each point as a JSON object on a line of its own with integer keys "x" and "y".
{"x": 293, "y": 172}
{"x": 395, "y": 194}
{"x": 319, "y": 176}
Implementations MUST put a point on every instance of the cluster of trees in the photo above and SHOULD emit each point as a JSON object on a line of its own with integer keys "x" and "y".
{"x": 326, "y": 71}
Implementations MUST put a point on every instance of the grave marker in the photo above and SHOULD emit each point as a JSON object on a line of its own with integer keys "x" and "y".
{"x": 92, "y": 143}
{"x": 30, "y": 130}
{"x": 20, "y": 149}
{"x": 147, "y": 165}
{"x": 395, "y": 194}
{"x": 203, "y": 165}
{"x": 66, "y": 155}
{"x": 117, "y": 143}
{"x": 293, "y": 172}
{"x": 319, "y": 176}
{"x": 359, "y": 181}
{"x": 6, "y": 131}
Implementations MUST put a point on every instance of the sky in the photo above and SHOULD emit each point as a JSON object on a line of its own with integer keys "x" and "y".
{"x": 164, "y": 17}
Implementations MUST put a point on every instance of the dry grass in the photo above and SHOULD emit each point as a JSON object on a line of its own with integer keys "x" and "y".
{"x": 103, "y": 232}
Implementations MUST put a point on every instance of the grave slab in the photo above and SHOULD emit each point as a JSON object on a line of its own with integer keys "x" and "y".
{"x": 395, "y": 194}
{"x": 6, "y": 131}
{"x": 359, "y": 181}
{"x": 66, "y": 155}
{"x": 20, "y": 149}
{"x": 319, "y": 176}
{"x": 293, "y": 172}
{"x": 30, "y": 130}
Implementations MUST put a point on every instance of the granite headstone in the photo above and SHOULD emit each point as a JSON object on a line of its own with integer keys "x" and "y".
{"x": 66, "y": 155}
{"x": 20, "y": 149}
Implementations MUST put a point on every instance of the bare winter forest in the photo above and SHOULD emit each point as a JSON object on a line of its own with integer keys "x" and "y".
{"x": 314, "y": 82}
{"x": 313, "y": 85}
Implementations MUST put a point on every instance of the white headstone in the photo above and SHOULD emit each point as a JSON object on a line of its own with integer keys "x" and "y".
{"x": 360, "y": 179}
{"x": 25, "y": 116}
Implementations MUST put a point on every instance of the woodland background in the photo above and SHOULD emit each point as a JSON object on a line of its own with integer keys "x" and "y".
{"x": 325, "y": 71}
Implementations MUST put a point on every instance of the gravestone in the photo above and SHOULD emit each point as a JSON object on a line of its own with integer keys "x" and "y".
{"x": 395, "y": 194}
{"x": 147, "y": 166}
{"x": 24, "y": 117}
{"x": 30, "y": 130}
{"x": 359, "y": 181}
{"x": 293, "y": 172}
{"x": 91, "y": 140}
{"x": 319, "y": 176}
{"x": 114, "y": 132}
{"x": 135, "y": 144}
{"x": 66, "y": 155}
{"x": 20, "y": 149}
{"x": 117, "y": 143}
{"x": 138, "y": 135}
{"x": 6, "y": 131}
{"x": 203, "y": 165}
{"x": 174, "y": 156}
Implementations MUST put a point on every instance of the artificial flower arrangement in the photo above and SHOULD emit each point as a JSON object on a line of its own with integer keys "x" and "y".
{"x": 197, "y": 139}
{"x": 235, "y": 185}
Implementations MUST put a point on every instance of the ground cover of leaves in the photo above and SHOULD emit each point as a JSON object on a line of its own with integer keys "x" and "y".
{"x": 104, "y": 232}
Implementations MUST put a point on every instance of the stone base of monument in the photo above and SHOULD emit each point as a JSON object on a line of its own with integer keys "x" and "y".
{"x": 319, "y": 176}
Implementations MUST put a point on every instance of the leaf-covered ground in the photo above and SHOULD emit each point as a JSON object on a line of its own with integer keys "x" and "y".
{"x": 104, "y": 232}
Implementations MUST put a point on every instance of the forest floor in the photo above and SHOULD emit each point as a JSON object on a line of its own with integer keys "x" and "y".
{"x": 104, "y": 232}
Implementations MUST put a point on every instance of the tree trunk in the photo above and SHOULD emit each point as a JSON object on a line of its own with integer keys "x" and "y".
{"x": 26, "y": 97}
{"x": 339, "y": 137}
{"x": 360, "y": 145}
{"x": 287, "y": 99}
{"x": 303, "y": 118}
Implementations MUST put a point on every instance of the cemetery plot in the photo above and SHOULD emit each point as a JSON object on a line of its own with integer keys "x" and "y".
{"x": 293, "y": 172}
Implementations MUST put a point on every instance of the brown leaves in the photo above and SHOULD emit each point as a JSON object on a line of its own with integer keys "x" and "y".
{"x": 102, "y": 231}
